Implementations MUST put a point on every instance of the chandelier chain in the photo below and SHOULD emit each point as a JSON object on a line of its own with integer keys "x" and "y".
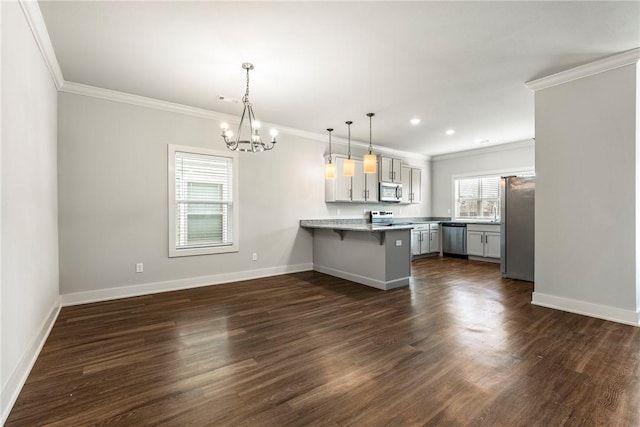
{"x": 246, "y": 93}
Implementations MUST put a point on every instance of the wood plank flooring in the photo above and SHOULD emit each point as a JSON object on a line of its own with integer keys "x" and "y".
{"x": 460, "y": 346}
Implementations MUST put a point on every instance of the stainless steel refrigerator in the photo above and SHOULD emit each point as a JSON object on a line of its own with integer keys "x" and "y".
{"x": 517, "y": 227}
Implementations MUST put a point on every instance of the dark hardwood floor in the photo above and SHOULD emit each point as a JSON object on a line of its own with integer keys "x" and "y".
{"x": 460, "y": 346}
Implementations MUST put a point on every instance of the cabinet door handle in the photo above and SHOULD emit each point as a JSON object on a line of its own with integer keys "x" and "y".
{"x": 350, "y": 193}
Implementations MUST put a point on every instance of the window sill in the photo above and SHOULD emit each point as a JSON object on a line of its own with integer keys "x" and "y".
{"x": 175, "y": 253}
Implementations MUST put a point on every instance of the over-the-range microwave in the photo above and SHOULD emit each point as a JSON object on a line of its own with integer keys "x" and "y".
{"x": 390, "y": 192}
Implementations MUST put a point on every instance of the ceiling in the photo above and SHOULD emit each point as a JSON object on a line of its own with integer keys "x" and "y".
{"x": 454, "y": 65}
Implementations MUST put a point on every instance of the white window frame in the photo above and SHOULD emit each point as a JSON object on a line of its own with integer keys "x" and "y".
{"x": 171, "y": 191}
{"x": 527, "y": 171}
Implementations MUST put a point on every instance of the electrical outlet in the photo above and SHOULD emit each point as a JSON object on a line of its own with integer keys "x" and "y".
{"x": 254, "y": 256}
{"x": 398, "y": 242}
{"x": 139, "y": 267}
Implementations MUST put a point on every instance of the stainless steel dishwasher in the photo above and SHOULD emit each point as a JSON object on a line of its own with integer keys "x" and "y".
{"x": 454, "y": 239}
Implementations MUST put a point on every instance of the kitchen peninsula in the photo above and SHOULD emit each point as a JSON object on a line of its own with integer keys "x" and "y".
{"x": 370, "y": 254}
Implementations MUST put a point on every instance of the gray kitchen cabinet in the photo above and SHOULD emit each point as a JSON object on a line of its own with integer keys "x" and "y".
{"x": 371, "y": 187}
{"x": 411, "y": 185}
{"x": 359, "y": 188}
{"x": 483, "y": 240}
{"x": 425, "y": 239}
{"x": 390, "y": 169}
{"x": 415, "y": 194}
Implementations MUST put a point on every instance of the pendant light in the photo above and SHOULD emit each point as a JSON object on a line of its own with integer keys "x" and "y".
{"x": 370, "y": 160}
{"x": 253, "y": 142}
{"x": 349, "y": 166}
{"x": 330, "y": 167}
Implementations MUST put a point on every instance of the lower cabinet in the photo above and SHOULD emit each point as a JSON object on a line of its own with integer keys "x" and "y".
{"x": 483, "y": 240}
{"x": 425, "y": 239}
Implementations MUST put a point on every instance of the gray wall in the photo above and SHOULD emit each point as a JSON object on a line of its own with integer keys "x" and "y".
{"x": 586, "y": 191}
{"x": 507, "y": 157}
{"x": 113, "y": 198}
{"x": 29, "y": 230}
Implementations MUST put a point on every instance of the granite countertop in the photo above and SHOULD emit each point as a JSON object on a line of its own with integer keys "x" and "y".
{"x": 359, "y": 224}
{"x": 350, "y": 225}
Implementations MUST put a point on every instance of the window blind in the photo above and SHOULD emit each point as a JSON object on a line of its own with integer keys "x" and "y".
{"x": 477, "y": 197}
{"x": 203, "y": 200}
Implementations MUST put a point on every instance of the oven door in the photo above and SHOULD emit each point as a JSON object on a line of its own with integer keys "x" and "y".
{"x": 390, "y": 192}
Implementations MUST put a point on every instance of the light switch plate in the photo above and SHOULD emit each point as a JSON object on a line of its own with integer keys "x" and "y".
{"x": 398, "y": 242}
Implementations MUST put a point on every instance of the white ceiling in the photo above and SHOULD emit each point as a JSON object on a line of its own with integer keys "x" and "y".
{"x": 459, "y": 65}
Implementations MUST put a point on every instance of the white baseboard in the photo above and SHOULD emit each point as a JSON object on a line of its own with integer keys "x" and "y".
{"x": 363, "y": 280}
{"x": 174, "y": 285}
{"x": 628, "y": 317}
{"x": 18, "y": 377}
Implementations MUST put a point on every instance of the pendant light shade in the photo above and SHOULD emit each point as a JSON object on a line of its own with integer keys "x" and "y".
{"x": 349, "y": 166}
{"x": 370, "y": 160}
{"x": 330, "y": 167}
{"x": 330, "y": 170}
{"x": 370, "y": 163}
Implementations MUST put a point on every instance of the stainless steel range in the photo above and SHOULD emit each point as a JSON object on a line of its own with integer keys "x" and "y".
{"x": 385, "y": 218}
{"x": 381, "y": 217}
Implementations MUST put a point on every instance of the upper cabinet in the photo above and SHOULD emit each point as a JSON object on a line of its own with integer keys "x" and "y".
{"x": 360, "y": 187}
{"x": 390, "y": 169}
{"x": 364, "y": 187}
{"x": 411, "y": 184}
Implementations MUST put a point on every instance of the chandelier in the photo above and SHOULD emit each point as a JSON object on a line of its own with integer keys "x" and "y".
{"x": 253, "y": 142}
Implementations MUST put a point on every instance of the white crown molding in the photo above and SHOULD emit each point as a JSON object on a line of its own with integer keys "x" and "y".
{"x": 34, "y": 18}
{"x": 484, "y": 150}
{"x": 609, "y": 63}
{"x": 143, "y": 101}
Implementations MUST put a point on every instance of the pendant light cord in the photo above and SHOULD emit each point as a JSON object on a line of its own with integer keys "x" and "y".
{"x": 330, "y": 130}
{"x": 349, "y": 123}
{"x": 370, "y": 147}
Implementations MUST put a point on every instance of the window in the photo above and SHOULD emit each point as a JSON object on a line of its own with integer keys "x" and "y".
{"x": 477, "y": 197}
{"x": 203, "y": 208}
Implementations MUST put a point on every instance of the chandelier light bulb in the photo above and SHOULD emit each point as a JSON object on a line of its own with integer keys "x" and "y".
{"x": 256, "y": 125}
{"x": 273, "y": 133}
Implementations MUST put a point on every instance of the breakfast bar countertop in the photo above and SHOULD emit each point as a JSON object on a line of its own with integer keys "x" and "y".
{"x": 351, "y": 225}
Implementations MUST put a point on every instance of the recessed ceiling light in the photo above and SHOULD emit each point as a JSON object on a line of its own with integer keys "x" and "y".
{"x": 450, "y": 131}
{"x": 480, "y": 141}
{"x": 414, "y": 121}
{"x": 228, "y": 99}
